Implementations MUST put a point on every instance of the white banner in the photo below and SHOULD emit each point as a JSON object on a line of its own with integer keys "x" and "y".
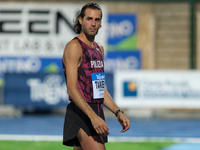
{"x": 157, "y": 89}
{"x": 37, "y": 29}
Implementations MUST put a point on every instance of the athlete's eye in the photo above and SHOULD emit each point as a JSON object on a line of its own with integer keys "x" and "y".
{"x": 89, "y": 18}
{"x": 98, "y": 20}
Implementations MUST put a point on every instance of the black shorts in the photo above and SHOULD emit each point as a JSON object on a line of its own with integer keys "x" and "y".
{"x": 76, "y": 119}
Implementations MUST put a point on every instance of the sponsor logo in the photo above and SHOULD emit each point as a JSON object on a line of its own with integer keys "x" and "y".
{"x": 122, "y": 32}
{"x": 30, "y": 65}
{"x": 98, "y": 50}
{"x": 20, "y": 65}
{"x": 130, "y": 89}
{"x": 120, "y": 29}
{"x": 100, "y": 77}
{"x": 52, "y": 68}
{"x": 37, "y": 30}
{"x": 41, "y": 29}
{"x": 128, "y": 63}
{"x": 52, "y": 89}
{"x": 97, "y": 64}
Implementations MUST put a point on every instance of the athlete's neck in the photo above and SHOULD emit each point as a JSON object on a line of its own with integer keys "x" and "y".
{"x": 89, "y": 40}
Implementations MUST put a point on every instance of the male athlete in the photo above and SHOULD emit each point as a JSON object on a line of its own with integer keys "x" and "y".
{"x": 85, "y": 127}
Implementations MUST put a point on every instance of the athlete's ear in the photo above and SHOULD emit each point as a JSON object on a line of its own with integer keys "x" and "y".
{"x": 80, "y": 20}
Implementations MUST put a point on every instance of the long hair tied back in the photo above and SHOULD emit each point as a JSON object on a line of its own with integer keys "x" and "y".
{"x": 77, "y": 25}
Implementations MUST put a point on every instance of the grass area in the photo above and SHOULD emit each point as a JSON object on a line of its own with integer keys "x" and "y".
{"x": 49, "y": 145}
{"x": 137, "y": 145}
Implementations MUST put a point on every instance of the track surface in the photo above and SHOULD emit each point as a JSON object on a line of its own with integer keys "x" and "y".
{"x": 53, "y": 125}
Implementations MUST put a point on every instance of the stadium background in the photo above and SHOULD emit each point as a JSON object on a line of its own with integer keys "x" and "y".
{"x": 151, "y": 45}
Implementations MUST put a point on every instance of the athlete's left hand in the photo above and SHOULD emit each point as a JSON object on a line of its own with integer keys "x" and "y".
{"x": 124, "y": 121}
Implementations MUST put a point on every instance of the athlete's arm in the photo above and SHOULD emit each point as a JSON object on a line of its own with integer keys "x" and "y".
{"x": 72, "y": 59}
{"x": 111, "y": 105}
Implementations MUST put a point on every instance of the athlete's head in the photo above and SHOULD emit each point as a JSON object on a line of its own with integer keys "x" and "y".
{"x": 91, "y": 11}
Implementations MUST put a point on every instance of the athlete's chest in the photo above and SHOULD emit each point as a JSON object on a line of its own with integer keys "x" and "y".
{"x": 92, "y": 54}
{"x": 93, "y": 58}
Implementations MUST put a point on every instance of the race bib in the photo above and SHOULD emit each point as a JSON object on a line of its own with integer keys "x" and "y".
{"x": 98, "y": 83}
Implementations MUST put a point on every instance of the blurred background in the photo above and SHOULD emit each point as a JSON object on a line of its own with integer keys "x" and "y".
{"x": 152, "y": 59}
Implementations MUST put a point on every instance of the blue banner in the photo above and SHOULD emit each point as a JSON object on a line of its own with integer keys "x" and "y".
{"x": 122, "y": 60}
{"x": 36, "y": 90}
{"x": 30, "y": 65}
{"x": 110, "y": 84}
{"x": 122, "y": 31}
{"x": 40, "y": 90}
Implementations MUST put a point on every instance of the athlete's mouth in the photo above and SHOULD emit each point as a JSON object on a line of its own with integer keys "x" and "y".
{"x": 93, "y": 29}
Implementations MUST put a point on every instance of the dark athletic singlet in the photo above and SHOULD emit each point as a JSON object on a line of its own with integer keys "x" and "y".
{"x": 92, "y": 62}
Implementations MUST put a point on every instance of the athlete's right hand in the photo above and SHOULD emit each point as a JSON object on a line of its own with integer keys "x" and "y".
{"x": 100, "y": 126}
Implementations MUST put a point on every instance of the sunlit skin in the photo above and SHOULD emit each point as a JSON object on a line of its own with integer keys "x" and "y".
{"x": 91, "y": 23}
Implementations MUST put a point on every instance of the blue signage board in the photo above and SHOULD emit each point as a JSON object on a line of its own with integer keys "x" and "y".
{"x": 122, "y": 31}
{"x": 35, "y": 90}
{"x": 122, "y": 60}
{"x": 30, "y": 65}
{"x": 40, "y": 90}
{"x": 110, "y": 84}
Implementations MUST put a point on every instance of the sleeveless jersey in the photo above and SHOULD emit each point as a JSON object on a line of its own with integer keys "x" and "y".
{"x": 92, "y": 63}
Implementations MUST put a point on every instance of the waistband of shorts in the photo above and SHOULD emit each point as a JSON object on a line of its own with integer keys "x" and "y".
{"x": 92, "y": 104}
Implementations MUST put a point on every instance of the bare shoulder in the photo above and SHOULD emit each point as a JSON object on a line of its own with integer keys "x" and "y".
{"x": 73, "y": 48}
{"x": 73, "y": 45}
{"x": 72, "y": 52}
{"x": 101, "y": 47}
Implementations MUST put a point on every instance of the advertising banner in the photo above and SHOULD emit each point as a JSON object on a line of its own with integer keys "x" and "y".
{"x": 30, "y": 64}
{"x": 35, "y": 90}
{"x": 36, "y": 29}
{"x": 39, "y": 90}
{"x": 109, "y": 84}
{"x": 122, "y": 31}
{"x": 122, "y": 60}
{"x": 157, "y": 89}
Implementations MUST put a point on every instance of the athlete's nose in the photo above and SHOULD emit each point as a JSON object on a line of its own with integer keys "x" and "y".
{"x": 93, "y": 23}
